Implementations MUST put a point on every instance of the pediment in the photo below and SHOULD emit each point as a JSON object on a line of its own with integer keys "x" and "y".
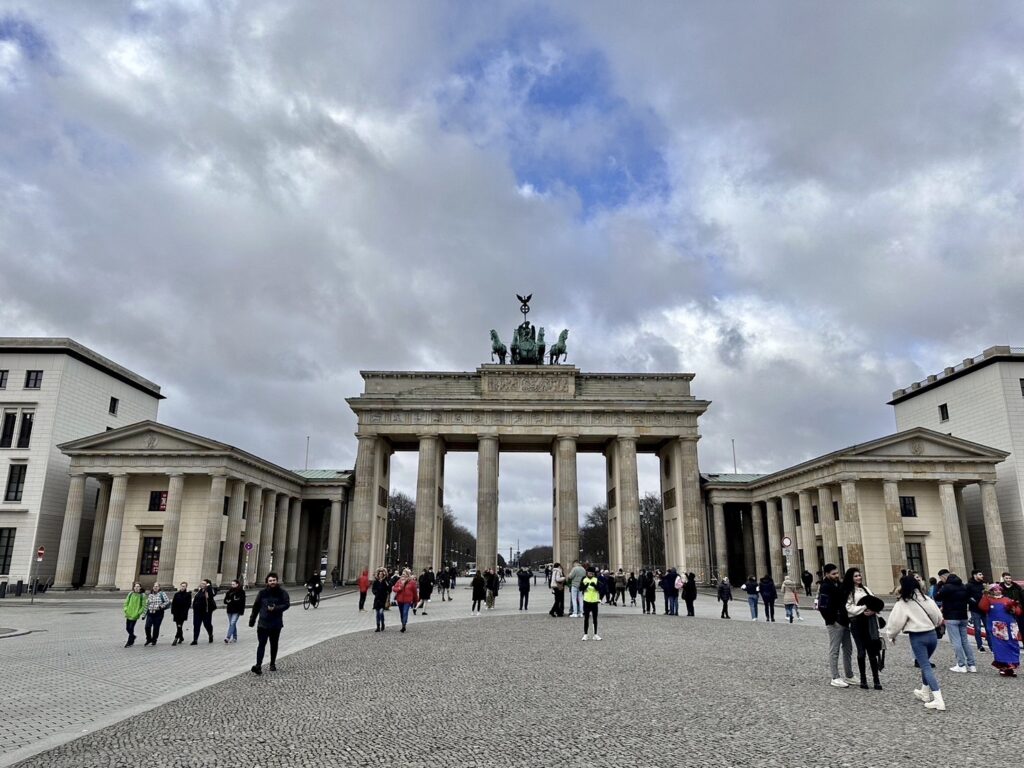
{"x": 143, "y": 437}
{"x": 924, "y": 444}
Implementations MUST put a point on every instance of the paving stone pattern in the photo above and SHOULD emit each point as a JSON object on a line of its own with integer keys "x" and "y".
{"x": 516, "y": 689}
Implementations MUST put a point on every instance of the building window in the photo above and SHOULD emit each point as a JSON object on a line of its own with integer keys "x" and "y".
{"x": 114, "y": 402}
{"x": 7, "y": 430}
{"x": 908, "y": 506}
{"x": 3, "y": 385}
{"x": 15, "y": 482}
{"x": 6, "y": 548}
{"x": 944, "y": 412}
{"x": 33, "y": 379}
{"x": 150, "y": 556}
{"x": 814, "y": 513}
{"x": 835, "y": 509}
{"x": 25, "y": 432}
{"x": 158, "y": 501}
{"x": 915, "y": 557}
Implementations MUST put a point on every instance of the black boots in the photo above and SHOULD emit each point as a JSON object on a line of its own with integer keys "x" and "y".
{"x": 874, "y": 672}
{"x": 863, "y": 676}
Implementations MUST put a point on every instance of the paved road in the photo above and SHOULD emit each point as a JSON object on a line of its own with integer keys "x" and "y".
{"x": 511, "y": 689}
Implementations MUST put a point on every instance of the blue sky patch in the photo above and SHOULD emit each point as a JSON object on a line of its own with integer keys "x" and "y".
{"x": 30, "y": 39}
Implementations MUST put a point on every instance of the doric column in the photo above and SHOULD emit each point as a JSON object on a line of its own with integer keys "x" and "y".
{"x": 334, "y": 536}
{"x": 112, "y": 533}
{"x": 721, "y": 545}
{"x": 214, "y": 523}
{"x": 951, "y": 528}
{"x": 267, "y": 532}
{"x": 280, "y": 544}
{"x": 827, "y": 520}
{"x": 690, "y": 510}
{"x": 99, "y": 523}
{"x": 894, "y": 528}
{"x": 854, "y": 548}
{"x": 774, "y": 541}
{"x": 487, "y": 502}
{"x": 364, "y": 501}
{"x": 291, "y": 561}
{"x": 965, "y": 534}
{"x": 760, "y": 556}
{"x": 230, "y": 566}
{"x": 68, "y": 550}
{"x": 789, "y": 529}
{"x": 749, "y": 561}
{"x": 567, "y": 517}
{"x": 810, "y": 538}
{"x": 302, "y": 563}
{"x": 629, "y": 508}
{"x": 253, "y": 526}
{"x": 426, "y": 502}
{"x": 172, "y": 528}
{"x": 993, "y": 529}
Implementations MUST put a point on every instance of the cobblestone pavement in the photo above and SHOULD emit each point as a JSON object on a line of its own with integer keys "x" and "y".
{"x": 512, "y": 689}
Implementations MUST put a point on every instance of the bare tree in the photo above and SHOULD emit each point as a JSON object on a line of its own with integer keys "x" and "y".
{"x": 652, "y": 531}
{"x": 535, "y": 556}
{"x": 594, "y": 535}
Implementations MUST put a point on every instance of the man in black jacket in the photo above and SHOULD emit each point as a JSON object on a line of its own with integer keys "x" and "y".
{"x": 203, "y": 606}
{"x": 270, "y": 604}
{"x": 952, "y": 597}
{"x": 975, "y": 591}
{"x": 524, "y": 575}
{"x": 808, "y": 580}
{"x": 831, "y": 606}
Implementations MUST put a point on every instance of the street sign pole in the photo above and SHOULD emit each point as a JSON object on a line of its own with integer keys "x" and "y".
{"x": 32, "y": 580}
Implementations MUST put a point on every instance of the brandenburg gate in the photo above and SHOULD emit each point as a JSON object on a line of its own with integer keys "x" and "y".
{"x": 527, "y": 405}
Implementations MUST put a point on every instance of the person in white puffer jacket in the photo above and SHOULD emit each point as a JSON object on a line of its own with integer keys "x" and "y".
{"x": 917, "y": 614}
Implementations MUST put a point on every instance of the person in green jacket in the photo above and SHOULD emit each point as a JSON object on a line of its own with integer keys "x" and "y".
{"x": 591, "y": 600}
{"x": 134, "y": 609}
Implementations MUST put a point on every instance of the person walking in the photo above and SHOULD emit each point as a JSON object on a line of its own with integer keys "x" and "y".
{"x": 952, "y": 601}
{"x": 524, "y": 576}
{"x": 203, "y": 606}
{"x": 671, "y": 590}
{"x": 632, "y": 587}
{"x": 916, "y": 614}
{"x": 575, "y": 581}
{"x": 832, "y": 607}
{"x": 690, "y": 593}
{"x": 426, "y": 589}
{"x": 268, "y": 618}
{"x": 976, "y": 591}
{"x": 650, "y": 593}
{"x": 492, "y": 581}
{"x": 407, "y": 594}
{"x": 620, "y": 587}
{"x": 156, "y": 603}
{"x": 557, "y": 582}
{"x": 808, "y": 579}
{"x": 547, "y": 575}
{"x": 443, "y": 580}
{"x": 861, "y": 608}
{"x": 478, "y": 585}
{"x": 591, "y": 602}
{"x": 363, "y": 584}
{"x": 1003, "y": 616}
{"x": 752, "y": 590}
{"x": 134, "y": 609}
{"x": 180, "y": 604}
{"x": 234, "y": 608}
{"x": 768, "y": 596}
{"x": 725, "y": 596}
{"x": 790, "y": 597}
{"x": 381, "y": 591}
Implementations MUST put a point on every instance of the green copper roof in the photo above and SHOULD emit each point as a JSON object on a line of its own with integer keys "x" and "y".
{"x": 729, "y": 477}
{"x": 323, "y": 474}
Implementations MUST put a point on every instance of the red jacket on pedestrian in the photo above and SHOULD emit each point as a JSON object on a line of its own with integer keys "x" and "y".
{"x": 409, "y": 593}
{"x": 364, "y": 581}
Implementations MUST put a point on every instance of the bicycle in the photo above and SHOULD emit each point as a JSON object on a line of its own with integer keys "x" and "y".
{"x": 311, "y": 599}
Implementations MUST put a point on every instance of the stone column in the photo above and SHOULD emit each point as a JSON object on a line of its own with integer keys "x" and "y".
{"x": 567, "y": 502}
{"x": 348, "y": 574}
{"x": 230, "y": 567}
{"x": 721, "y": 545}
{"x": 68, "y": 549}
{"x": 691, "y": 510}
{"x": 267, "y": 532}
{"x": 951, "y": 528}
{"x": 334, "y": 536}
{"x": 253, "y": 524}
{"x": 98, "y": 525}
{"x": 302, "y": 563}
{"x": 280, "y": 543}
{"x": 172, "y": 528}
{"x": 827, "y": 520}
{"x": 291, "y": 561}
{"x": 629, "y": 508}
{"x": 364, "y": 502}
{"x": 894, "y": 528}
{"x": 112, "y": 533}
{"x": 749, "y": 561}
{"x": 757, "y": 525}
{"x": 487, "y": 502}
{"x": 214, "y": 523}
{"x": 851, "y": 525}
{"x": 789, "y": 529}
{"x": 965, "y": 534}
{"x": 810, "y": 538}
{"x": 774, "y": 541}
{"x": 426, "y": 500}
{"x": 993, "y": 529}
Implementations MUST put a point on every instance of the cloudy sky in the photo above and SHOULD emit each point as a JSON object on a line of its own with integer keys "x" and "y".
{"x": 249, "y": 202}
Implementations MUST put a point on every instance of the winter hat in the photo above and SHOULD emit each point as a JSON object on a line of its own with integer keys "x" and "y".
{"x": 996, "y": 589}
{"x": 872, "y": 603}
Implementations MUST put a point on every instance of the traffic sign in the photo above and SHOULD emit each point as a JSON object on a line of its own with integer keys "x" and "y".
{"x": 39, "y": 554}
{"x": 248, "y": 546}
{"x": 787, "y": 542}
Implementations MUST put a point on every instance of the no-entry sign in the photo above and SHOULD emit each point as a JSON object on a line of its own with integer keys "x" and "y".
{"x": 248, "y": 546}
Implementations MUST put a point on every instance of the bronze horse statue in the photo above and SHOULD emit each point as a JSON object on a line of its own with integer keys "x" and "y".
{"x": 497, "y": 348}
{"x": 558, "y": 348}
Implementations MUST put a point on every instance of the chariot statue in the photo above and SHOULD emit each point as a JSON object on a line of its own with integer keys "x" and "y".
{"x": 527, "y": 346}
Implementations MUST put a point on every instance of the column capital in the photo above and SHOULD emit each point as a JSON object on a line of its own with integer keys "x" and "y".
{"x": 986, "y": 482}
{"x": 482, "y": 437}
{"x": 428, "y": 436}
{"x": 625, "y": 438}
{"x": 174, "y": 474}
{"x": 689, "y": 438}
{"x": 574, "y": 436}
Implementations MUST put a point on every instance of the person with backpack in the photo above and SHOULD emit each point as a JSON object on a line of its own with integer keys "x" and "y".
{"x": 591, "y": 601}
{"x": 916, "y": 614}
{"x": 381, "y": 591}
{"x": 134, "y": 609}
{"x": 952, "y": 601}
{"x": 752, "y": 590}
{"x": 725, "y": 596}
{"x": 203, "y": 606}
{"x": 268, "y": 609}
{"x": 832, "y": 607}
{"x": 690, "y": 592}
{"x": 768, "y": 596}
{"x": 790, "y": 597}
{"x": 180, "y": 604}
{"x": 234, "y": 607}
{"x": 620, "y": 588}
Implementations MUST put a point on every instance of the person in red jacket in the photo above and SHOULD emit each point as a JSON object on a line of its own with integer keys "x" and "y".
{"x": 364, "y": 587}
{"x": 407, "y": 594}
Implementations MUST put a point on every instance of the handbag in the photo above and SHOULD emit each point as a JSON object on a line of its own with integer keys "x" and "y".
{"x": 940, "y": 630}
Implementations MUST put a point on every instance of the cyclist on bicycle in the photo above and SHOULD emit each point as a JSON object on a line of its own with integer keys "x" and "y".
{"x": 314, "y": 586}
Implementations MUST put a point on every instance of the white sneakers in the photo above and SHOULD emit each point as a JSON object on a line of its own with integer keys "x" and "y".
{"x": 584, "y": 638}
{"x": 936, "y": 703}
{"x": 597, "y": 637}
{"x": 839, "y": 683}
{"x": 958, "y": 668}
{"x": 922, "y": 693}
{"x": 972, "y": 668}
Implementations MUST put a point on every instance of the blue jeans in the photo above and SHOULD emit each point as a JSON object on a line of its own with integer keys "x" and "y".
{"x": 403, "y": 610}
{"x": 960, "y": 640}
{"x": 380, "y": 617}
{"x": 575, "y": 602}
{"x": 232, "y": 626}
{"x": 978, "y": 619}
{"x": 752, "y": 602}
{"x": 790, "y": 610}
{"x": 923, "y": 645}
{"x": 673, "y": 605}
